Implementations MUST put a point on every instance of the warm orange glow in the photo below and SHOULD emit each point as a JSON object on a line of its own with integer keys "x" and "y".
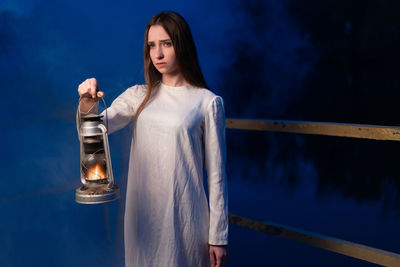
{"x": 96, "y": 172}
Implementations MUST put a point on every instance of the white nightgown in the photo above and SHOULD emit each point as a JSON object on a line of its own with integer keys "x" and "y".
{"x": 181, "y": 132}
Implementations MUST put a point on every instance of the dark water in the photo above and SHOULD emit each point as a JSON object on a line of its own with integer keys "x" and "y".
{"x": 294, "y": 189}
{"x": 306, "y": 60}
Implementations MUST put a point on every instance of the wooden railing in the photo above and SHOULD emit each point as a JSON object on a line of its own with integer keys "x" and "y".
{"x": 340, "y": 246}
{"x": 319, "y": 128}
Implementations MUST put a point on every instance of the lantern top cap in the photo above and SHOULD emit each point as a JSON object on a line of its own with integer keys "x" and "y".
{"x": 91, "y": 117}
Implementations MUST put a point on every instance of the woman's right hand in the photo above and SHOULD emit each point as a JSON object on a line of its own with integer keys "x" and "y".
{"x": 90, "y": 89}
{"x": 89, "y": 93}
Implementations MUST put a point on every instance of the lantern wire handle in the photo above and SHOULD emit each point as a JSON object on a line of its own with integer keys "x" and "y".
{"x": 78, "y": 114}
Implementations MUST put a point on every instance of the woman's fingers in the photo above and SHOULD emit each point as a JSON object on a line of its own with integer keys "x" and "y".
{"x": 100, "y": 94}
{"x": 218, "y": 256}
{"x": 212, "y": 257}
{"x": 219, "y": 259}
{"x": 90, "y": 88}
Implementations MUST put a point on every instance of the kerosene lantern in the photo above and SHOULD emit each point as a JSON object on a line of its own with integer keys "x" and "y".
{"x": 96, "y": 169}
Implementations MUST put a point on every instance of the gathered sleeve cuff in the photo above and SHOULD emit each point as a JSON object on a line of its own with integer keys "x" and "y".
{"x": 215, "y": 159}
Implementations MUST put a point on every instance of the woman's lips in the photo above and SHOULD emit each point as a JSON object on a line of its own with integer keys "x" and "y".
{"x": 161, "y": 64}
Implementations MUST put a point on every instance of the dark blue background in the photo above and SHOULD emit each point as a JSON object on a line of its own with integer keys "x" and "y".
{"x": 276, "y": 59}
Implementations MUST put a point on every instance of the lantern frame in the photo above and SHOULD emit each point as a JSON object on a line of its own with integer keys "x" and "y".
{"x": 95, "y": 191}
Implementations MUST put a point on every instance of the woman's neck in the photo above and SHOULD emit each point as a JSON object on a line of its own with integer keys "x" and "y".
{"x": 174, "y": 80}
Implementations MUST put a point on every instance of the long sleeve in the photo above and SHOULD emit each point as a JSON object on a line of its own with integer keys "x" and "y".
{"x": 215, "y": 159}
{"x": 122, "y": 109}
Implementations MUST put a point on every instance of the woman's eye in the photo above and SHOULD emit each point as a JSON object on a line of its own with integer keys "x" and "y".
{"x": 151, "y": 45}
{"x": 167, "y": 44}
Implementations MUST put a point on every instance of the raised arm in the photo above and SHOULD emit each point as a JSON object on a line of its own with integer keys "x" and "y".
{"x": 122, "y": 109}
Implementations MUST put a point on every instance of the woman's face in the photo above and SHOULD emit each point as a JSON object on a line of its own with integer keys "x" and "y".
{"x": 162, "y": 52}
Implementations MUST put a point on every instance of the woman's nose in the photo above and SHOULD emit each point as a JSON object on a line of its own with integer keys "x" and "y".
{"x": 159, "y": 53}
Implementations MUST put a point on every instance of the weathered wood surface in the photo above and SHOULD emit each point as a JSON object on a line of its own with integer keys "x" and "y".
{"x": 319, "y": 128}
{"x": 340, "y": 246}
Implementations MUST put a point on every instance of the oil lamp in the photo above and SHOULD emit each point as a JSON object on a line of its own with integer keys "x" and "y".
{"x": 96, "y": 169}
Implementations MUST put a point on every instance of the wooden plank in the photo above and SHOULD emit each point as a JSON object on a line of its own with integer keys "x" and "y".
{"x": 340, "y": 246}
{"x": 374, "y": 132}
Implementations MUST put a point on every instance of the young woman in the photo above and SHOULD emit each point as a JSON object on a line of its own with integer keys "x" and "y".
{"x": 179, "y": 130}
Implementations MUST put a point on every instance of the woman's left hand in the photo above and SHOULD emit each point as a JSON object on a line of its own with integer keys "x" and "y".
{"x": 218, "y": 255}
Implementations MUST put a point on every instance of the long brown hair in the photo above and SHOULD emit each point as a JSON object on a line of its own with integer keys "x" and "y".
{"x": 185, "y": 50}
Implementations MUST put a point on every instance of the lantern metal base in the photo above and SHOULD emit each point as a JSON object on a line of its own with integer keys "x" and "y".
{"x": 96, "y": 194}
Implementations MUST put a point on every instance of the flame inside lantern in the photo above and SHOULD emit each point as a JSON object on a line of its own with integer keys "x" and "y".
{"x": 96, "y": 172}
